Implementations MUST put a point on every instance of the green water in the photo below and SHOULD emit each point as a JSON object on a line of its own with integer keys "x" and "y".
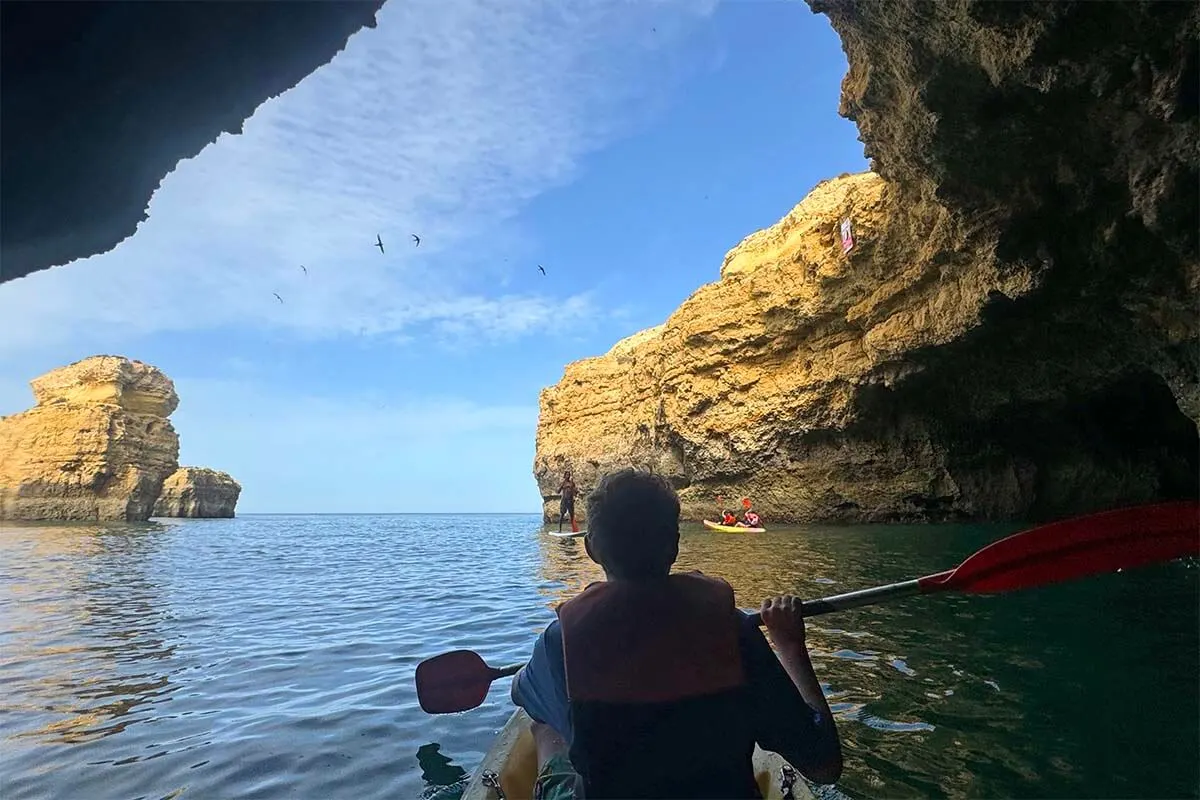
{"x": 273, "y": 656}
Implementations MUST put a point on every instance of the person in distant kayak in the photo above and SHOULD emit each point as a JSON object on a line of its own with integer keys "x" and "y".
{"x": 567, "y": 505}
{"x": 728, "y": 518}
{"x": 654, "y": 684}
{"x": 750, "y": 519}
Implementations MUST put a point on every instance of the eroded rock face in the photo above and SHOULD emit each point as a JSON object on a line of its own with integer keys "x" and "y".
{"x": 97, "y": 446}
{"x": 1067, "y": 133}
{"x": 1015, "y": 332}
{"x": 879, "y": 384}
{"x": 198, "y": 492}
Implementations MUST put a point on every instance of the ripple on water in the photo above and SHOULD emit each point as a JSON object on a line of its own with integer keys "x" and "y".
{"x": 273, "y": 657}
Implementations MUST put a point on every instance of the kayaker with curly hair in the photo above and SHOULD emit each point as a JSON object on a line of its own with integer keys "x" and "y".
{"x": 654, "y": 684}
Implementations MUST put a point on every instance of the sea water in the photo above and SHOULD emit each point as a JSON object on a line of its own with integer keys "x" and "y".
{"x": 273, "y": 656}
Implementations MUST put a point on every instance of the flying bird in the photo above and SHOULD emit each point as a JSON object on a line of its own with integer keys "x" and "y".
{"x": 543, "y": 269}
{"x": 379, "y": 242}
{"x": 277, "y": 297}
{"x": 304, "y": 268}
{"x": 416, "y": 239}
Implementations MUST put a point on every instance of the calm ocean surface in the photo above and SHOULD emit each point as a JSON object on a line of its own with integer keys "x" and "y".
{"x": 273, "y": 656}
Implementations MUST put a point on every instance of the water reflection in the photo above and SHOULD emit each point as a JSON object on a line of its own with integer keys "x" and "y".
{"x": 440, "y": 774}
{"x": 93, "y": 585}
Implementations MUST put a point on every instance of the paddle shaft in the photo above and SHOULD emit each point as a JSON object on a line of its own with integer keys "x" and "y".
{"x": 862, "y": 597}
{"x": 504, "y": 672}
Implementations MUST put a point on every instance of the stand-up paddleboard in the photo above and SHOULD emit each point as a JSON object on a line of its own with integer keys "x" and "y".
{"x": 719, "y": 528}
{"x": 568, "y": 534}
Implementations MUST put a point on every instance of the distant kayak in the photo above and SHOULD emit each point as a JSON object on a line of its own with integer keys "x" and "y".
{"x": 512, "y": 763}
{"x": 719, "y": 528}
{"x": 568, "y": 534}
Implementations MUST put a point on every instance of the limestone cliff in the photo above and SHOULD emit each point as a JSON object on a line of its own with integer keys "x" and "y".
{"x": 198, "y": 492}
{"x": 97, "y": 445}
{"x": 1014, "y": 333}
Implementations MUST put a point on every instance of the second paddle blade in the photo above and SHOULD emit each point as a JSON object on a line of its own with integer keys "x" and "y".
{"x": 454, "y": 681}
{"x": 1078, "y": 547}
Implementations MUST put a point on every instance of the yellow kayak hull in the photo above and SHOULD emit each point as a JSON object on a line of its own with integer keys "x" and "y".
{"x": 513, "y": 762}
{"x": 719, "y": 528}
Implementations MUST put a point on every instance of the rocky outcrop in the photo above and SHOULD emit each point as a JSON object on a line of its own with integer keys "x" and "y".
{"x": 98, "y": 446}
{"x": 1014, "y": 332}
{"x": 101, "y": 100}
{"x": 198, "y": 492}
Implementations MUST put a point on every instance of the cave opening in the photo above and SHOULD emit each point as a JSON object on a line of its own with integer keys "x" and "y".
{"x": 1125, "y": 443}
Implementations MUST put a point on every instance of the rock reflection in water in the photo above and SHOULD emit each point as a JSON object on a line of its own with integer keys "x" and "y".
{"x": 111, "y": 613}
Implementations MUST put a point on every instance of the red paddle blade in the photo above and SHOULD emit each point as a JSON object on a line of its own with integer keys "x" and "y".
{"x": 1076, "y": 548}
{"x": 454, "y": 681}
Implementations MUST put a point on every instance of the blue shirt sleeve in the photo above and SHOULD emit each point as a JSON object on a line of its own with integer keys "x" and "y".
{"x": 783, "y": 722}
{"x": 541, "y": 686}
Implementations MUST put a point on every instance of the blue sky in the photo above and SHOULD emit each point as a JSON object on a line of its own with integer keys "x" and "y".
{"x": 624, "y": 146}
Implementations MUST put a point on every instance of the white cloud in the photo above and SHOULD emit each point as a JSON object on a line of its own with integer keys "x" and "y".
{"x": 442, "y": 121}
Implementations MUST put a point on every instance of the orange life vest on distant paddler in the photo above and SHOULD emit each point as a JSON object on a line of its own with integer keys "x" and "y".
{"x": 657, "y": 689}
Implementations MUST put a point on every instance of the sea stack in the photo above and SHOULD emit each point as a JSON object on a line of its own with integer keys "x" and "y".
{"x": 97, "y": 445}
{"x": 198, "y": 492}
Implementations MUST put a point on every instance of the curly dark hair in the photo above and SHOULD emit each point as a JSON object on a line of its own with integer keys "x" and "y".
{"x": 633, "y": 524}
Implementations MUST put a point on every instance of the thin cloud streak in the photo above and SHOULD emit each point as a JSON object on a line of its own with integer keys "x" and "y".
{"x": 443, "y": 121}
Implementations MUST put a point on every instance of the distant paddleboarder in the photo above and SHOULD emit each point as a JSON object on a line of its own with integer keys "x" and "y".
{"x": 568, "y": 490}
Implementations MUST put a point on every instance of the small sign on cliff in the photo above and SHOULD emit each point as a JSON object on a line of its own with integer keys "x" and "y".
{"x": 847, "y": 236}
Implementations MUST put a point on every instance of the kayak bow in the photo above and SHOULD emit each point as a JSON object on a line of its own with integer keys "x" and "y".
{"x": 511, "y": 764}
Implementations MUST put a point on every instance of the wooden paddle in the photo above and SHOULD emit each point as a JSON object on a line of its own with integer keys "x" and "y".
{"x": 1054, "y": 553}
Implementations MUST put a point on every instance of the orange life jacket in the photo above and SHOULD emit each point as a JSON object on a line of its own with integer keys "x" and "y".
{"x": 657, "y": 689}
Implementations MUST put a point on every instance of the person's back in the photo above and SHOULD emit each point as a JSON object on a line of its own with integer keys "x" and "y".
{"x": 657, "y": 682}
{"x": 657, "y": 689}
